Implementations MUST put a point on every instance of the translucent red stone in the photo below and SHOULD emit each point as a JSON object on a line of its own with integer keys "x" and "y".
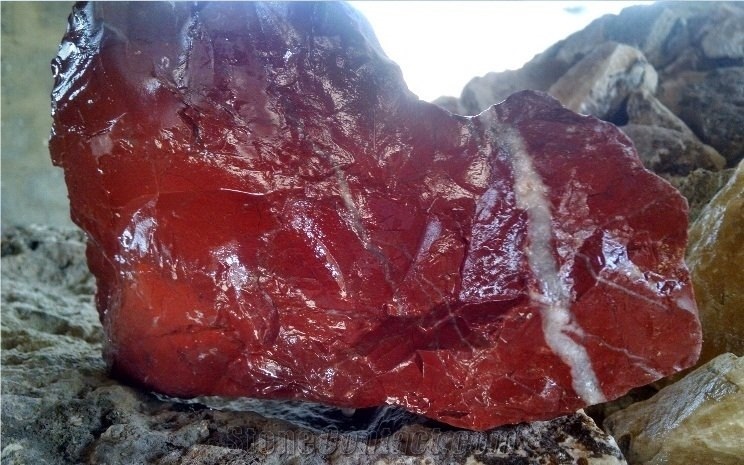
{"x": 272, "y": 213}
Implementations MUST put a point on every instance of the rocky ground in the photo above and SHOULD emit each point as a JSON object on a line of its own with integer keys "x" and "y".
{"x": 668, "y": 74}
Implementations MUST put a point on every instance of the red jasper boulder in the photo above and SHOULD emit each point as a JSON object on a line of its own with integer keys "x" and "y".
{"x": 272, "y": 213}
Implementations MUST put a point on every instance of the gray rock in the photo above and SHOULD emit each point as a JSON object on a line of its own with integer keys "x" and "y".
{"x": 600, "y": 83}
{"x": 712, "y": 105}
{"x": 668, "y": 151}
{"x": 451, "y": 104}
{"x": 664, "y": 32}
{"x": 669, "y": 147}
{"x": 643, "y": 108}
{"x": 726, "y": 40}
{"x": 61, "y": 407}
{"x": 482, "y": 92}
{"x": 698, "y": 420}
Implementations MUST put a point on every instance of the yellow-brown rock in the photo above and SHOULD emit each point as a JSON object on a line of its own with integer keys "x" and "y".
{"x": 698, "y": 420}
{"x": 716, "y": 260}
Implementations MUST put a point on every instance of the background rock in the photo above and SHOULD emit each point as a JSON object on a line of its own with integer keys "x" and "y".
{"x": 673, "y": 36}
{"x": 725, "y": 40}
{"x": 712, "y": 105}
{"x": 716, "y": 260}
{"x": 665, "y": 150}
{"x": 699, "y": 420}
{"x": 695, "y": 50}
{"x": 482, "y": 92}
{"x": 60, "y": 406}
{"x": 643, "y": 108}
{"x": 599, "y": 84}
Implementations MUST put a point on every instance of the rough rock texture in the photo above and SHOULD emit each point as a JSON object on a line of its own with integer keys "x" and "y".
{"x": 716, "y": 260}
{"x": 664, "y": 142}
{"x": 60, "y": 407}
{"x": 599, "y": 84}
{"x": 668, "y": 151}
{"x": 699, "y": 420}
{"x": 644, "y": 109}
{"x": 712, "y": 105}
{"x": 451, "y": 104}
{"x": 273, "y": 214}
{"x": 700, "y": 186}
{"x": 725, "y": 41}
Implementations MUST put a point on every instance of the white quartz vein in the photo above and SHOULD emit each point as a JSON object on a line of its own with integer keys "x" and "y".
{"x": 554, "y": 296}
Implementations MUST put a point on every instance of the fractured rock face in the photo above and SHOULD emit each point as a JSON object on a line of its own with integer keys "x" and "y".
{"x": 699, "y": 419}
{"x": 644, "y": 109}
{"x": 273, "y": 214}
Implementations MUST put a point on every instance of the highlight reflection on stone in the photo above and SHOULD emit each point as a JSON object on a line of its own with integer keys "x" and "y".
{"x": 273, "y": 214}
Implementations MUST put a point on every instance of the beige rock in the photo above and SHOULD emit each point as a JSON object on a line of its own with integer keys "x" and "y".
{"x": 716, "y": 259}
{"x": 599, "y": 83}
{"x": 698, "y": 420}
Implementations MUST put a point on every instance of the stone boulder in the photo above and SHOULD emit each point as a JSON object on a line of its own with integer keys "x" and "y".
{"x": 698, "y": 420}
{"x": 664, "y": 142}
{"x": 599, "y": 84}
{"x": 716, "y": 260}
{"x": 665, "y": 150}
{"x": 723, "y": 38}
{"x": 673, "y": 36}
{"x": 711, "y": 103}
{"x": 643, "y": 108}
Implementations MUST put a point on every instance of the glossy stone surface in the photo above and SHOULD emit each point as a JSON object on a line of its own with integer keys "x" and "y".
{"x": 273, "y": 214}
